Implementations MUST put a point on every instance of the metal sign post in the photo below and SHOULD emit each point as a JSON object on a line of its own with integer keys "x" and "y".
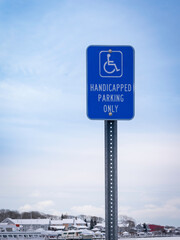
{"x": 111, "y": 192}
{"x": 110, "y": 97}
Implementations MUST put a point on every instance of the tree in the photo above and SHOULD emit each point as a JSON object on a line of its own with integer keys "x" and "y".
{"x": 145, "y": 227}
{"x": 91, "y": 224}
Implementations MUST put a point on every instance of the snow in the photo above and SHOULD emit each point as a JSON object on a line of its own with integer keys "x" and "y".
{"x": 30, "y": 221}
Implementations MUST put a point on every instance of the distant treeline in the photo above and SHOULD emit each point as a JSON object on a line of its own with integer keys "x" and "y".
{"x": 6, "y": 213}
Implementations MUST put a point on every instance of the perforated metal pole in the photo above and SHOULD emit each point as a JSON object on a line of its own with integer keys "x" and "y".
{"x": 111, "y": 192}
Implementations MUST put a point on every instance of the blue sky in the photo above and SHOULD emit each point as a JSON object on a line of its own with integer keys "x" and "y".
{"x": 51, "y": 154}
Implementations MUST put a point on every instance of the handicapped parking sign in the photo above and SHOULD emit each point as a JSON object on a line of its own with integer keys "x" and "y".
{"x": 111, "y": 64}
{"x": 110, "y": 82}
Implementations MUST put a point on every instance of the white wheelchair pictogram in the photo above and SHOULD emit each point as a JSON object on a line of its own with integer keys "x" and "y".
{"x": 110, "y": 63}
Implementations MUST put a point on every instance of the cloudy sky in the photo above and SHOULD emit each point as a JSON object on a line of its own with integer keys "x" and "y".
{"x": 51, "y": 154}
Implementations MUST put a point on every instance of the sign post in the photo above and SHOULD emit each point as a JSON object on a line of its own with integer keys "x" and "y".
{"x": 110, "y": 97}
{"x": 111, "y": 189}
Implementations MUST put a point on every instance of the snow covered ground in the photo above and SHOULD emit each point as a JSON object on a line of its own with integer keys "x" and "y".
{"x": 160, "y": 238}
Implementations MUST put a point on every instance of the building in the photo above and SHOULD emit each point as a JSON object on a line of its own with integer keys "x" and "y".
{"x": 100, "y": 227}
{"x": 29, "y": 224}
{"x": 68, "y": 223}
{"x": 5, "y": 227}
{"x": 156, "y": 228}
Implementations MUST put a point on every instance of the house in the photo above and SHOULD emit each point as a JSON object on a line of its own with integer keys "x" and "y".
{"x": 5, "y": 227}
{"x": 143, "y": 228}
{"x": 156, "y": 228}
{"x": 29, "y": 224}
{"x": 80, "y": 222}
{"x": 69, "y": 223}
{"x": 122, "y": 227}
{"x": 65, "y": 223}
{"x": 99, "y": 227}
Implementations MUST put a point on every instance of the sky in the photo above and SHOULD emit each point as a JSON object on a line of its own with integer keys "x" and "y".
{"x": 51, "y": 154}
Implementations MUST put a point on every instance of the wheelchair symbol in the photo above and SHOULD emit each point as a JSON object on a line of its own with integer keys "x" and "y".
{"x": 110, "y": 63}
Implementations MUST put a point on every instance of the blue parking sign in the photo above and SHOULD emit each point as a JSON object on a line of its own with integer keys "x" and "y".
{"x": 110, "y": 82}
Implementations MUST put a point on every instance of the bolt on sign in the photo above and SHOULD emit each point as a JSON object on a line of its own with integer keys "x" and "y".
{"x": 110, "y": 82}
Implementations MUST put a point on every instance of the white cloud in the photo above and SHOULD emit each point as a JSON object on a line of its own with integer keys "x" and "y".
{"x": 88, "y": 210}
{"x": 152, "y": 213}
{"x": 149, "y": 159}
{"x": 123, "y": 210}
{"x": 39, "y": 206}
{"x": 26, "y": 97}
{"x": 26, "y": 208}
